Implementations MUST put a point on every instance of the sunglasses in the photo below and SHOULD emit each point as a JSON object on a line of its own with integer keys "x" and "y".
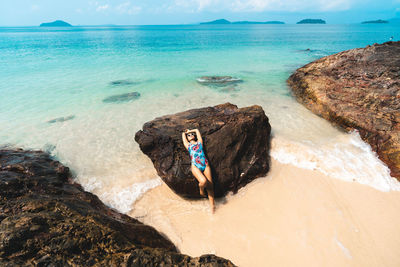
{"x": 190, "y": 134}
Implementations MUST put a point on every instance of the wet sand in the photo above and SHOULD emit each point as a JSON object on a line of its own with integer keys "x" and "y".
{"x": 292, "y": 217}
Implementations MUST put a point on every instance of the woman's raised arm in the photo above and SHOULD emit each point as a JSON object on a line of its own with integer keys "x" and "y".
{"x": 198, "y": 136}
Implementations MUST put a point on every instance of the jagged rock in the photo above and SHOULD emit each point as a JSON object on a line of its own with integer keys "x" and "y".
{"x": 47, "y": 220}
{"x": 358, "y": 89}
{"x": 236, "y": 143}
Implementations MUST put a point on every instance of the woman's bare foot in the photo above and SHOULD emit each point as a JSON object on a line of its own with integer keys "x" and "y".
{"x": 212, "y": 208}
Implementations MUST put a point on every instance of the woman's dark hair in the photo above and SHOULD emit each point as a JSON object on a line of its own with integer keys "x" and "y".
{"x": 195, "y": 136}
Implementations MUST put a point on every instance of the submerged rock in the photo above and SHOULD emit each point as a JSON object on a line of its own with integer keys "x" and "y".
{"x": 122, "y": 98}
{"x": 62, "y": 119}
{"x": 47, "y": 220}
{"x": 248, "y": 72}
{"x": 218, "y": 80}
{"x": 123, "y": 82}
{"x": 358, "y": 89}
{"x": 236, "y": 142}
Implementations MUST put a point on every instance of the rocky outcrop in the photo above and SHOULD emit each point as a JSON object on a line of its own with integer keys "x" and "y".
{"x": 358, "y": 89}
{"x": 236, "y": 143}
{"x": 47, "y": 220}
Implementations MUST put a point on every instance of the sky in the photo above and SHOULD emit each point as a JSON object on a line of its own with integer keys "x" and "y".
{"x": 150, "y": 12}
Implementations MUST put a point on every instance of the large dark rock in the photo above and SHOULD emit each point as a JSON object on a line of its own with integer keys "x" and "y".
{"x": 236, "y": 143}
{"x": 358, "y": 89}
{"x": 47, "y": 220}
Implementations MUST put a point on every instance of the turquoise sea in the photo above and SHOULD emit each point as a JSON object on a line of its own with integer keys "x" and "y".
{"x": 53, "y": 82}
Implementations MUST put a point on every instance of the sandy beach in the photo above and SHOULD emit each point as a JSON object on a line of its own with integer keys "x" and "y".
{"x": 292, "y": 217}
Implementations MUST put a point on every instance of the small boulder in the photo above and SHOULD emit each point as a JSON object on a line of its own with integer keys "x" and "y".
{"x": 236, "y": 143}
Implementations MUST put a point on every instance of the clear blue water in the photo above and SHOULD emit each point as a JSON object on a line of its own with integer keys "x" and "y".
{"x": 49, "y": 73}
{"x": 79, "y": 62}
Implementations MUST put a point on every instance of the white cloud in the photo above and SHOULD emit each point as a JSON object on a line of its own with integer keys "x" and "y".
{"x": 262, "y": 5}
{"x": 102, "y": 8}
{"x": 128, "y": 8}
{"x": 202, "y": 4}
{"x": 35, "y": 7}
{"x": 337, "y": 5}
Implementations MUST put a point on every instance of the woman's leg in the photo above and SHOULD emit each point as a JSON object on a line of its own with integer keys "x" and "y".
{"x": 210, "y": 187}
{"x": 200, "y": 178}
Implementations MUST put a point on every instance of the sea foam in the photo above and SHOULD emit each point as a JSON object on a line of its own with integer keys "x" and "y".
{"x": 346, "y": 157}
{"x": 123, "y": 199}
{"x": 120, "y": 198}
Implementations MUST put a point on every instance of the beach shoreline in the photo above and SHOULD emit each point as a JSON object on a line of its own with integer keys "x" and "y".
{"x": 291, "y": 217}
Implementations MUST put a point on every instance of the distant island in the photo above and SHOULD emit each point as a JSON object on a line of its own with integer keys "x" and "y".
{"x": 224, "y": 21}
{"x": 312, "y": 21}
{"x": 218, "y": 21}
{"x": 57, "y": 23}
{"x": 375, "y": 21}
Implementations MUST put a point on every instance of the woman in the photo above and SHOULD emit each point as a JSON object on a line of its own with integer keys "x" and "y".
{"x": 200, "y": 168}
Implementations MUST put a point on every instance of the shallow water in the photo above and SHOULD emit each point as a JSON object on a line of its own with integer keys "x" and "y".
{"x": 50, "y": 74}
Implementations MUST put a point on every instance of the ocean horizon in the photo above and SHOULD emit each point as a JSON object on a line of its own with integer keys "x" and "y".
{"x": 110, "y": 25}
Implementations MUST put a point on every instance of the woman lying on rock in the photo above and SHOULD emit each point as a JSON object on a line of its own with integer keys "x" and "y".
{"x": 200, "y": 168}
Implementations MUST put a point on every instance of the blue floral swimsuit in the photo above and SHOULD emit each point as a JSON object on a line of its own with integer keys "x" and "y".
{"x": 197, "y": 155}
